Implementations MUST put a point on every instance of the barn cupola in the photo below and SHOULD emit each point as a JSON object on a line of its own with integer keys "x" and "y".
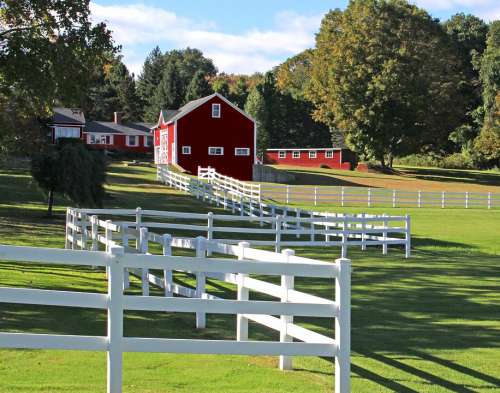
{"x": 118, "y": 118}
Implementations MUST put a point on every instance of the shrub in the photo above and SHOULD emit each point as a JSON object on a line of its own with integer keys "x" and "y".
{"x": 456, "y": 161}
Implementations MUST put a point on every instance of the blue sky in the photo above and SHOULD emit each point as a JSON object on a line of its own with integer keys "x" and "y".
{"x": 239, "y": 36}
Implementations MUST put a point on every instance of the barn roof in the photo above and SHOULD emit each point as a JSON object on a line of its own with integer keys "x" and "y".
{"x": 109, "y": 127}
{"x": 68, "y": 116}
{"x": 169, "y": 116}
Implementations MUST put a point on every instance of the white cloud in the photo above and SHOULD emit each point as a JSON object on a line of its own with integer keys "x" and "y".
{"x": 137, "y": 26}
{"x": 439, "y": 5}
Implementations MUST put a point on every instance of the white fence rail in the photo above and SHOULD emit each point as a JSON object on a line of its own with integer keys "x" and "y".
{"x": 308, "y": 226}
{"x": 226, "y": 184}
{"x": 250, "y": 261}
{"x": 382, "y": 197}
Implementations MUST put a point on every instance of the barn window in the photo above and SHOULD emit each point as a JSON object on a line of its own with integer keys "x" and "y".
{"x": 296, "y": 154}
{"x": 186, "y": 149}
{"x": 216, "y": 111}
{"x": 215, "y": 151}
{"x": 282, "y": 154}
{"x": 312, "y": 154}
{"x": 148, "y": 141}
{"x": 242, "y": 151}
{"x": 329, "y": 154}
{"x": 132, "y": 140}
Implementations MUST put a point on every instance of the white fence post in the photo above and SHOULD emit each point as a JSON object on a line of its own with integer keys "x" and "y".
{"x": 419, "y": 200}
{"x": 108, "y": 234}
{"x": 393, "y": 198}
{"x": 489, "y": 200}
{"x": 210, "y": 225}
{"x": 126, "y": 278}
{"x": 83, "y": 226}
{"x": 143, "y": 244}
{"x": 342, "y": 196}
{"x": 279, "y": 223}
{"x": 95, "y": 243}
{"x": 261, "y": 214}
{"x": 344, "y": 236}
{"x": 299, "y": 224}
{"x": 466, "y": 199}
{"x": 363, "y": 231}
{"x": 315, "y": 196}
{"x": 115, "y": 321}
{"x": 138, "y": 223}
{"x": 66, "y": 240}
{"x": 168, "y": 278}
{"x": 384, "y": 236}
{"x": 343, "y": 326}
{"x": 287, "y": 283}
{"x": 243, "y": 294}
{"x": 313, "y": 229}
{"x": 201, "y": 322}
{"x": 442, "y": 199}
{"x": 369, "y": 197}
{"x": 407, "y": 236}
{"x": 287, "y": 194}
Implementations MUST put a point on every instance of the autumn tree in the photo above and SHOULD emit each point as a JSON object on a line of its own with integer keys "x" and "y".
{"x": 387, "y": 76}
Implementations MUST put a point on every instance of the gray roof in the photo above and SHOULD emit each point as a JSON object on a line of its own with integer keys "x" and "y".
{"x": 68, "y": 116}
{"x": 172, "y": 115}
{"x": 109, "y": 127}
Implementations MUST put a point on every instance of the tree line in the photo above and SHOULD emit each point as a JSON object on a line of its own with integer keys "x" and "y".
{"x": 384, "y": 77}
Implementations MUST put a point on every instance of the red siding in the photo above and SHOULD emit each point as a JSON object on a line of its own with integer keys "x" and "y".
{"x": 120, "y": 143}
{"x": 199, "y": 130}
{"x": 337, "y": 161}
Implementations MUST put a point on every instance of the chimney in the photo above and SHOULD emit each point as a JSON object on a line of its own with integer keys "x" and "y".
{"x": 118, "y": 117}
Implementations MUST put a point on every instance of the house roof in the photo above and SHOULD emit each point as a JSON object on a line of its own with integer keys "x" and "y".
{"x": 68, "y": 116}
{"x": 109, "y": 127}
{"x": 169, "y": 116}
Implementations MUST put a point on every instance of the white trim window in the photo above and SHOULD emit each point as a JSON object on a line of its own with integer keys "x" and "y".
{"x": 99, "y": 139}
{"x": 186, "y": 149}
{"x": 216, "y": 111}
{"x": 282, "y": 154}
{"x": 313, "y": 154}
{"x": 329, "y": 154}
{"x": 241, "y": 151}
{"x": 296, "y": 154}
{"x": 132, "y": 140}
{"x": 148, "y": 141}
{"x": 215, "y": 151}
{"x": 66, "y": 132}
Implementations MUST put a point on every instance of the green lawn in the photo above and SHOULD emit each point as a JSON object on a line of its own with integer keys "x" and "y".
{"x": 427, "y": 324}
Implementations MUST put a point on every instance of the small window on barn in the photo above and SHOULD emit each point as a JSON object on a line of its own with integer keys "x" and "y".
{"x": 186, "y": 149}
{"x": 312, "y": 154}
{"x": 132, "y": 140}
{"x": 215, "y": 151}
{"x": 282, "y": 154}
{"x": 216, "y": 111}
{"x": 296, "y": 154}
{"x": 242, "y": 151}
{"x": 329, "y": 154}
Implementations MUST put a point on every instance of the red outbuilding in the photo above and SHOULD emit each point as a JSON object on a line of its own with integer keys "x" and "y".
{"x": 210, "y": 131}
{"x": 331, "y": 157}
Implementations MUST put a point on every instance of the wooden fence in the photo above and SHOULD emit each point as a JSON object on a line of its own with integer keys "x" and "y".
{"x": 118, "y": 262}
{"x": 381, "y": 197}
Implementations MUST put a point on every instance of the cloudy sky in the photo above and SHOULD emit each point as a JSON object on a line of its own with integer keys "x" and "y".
{"x": 239, "y": 36}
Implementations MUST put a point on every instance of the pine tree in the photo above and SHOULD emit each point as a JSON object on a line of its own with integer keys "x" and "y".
{"x": 198, "y": 87}
{"x": 169, "y": 92}
{"x": 148, "y": 82}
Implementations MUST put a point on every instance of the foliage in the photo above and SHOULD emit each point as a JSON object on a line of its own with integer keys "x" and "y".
{"x": 49, "y": 52}
{"x": 168, "y": 94}
{"x": 294, "y": 75}
{"x": 377, "y": 77}
{"x": 198, "y": 87}
{"x": 148, "y": 82}
{"x": 72, "y": 170}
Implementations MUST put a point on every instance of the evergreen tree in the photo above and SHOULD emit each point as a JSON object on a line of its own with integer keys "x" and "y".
{"x": 221, "y": 86}
{"x": 256, "y": 107}
{"x": 198, "y": 87}
{"x": 168, "y": 94}
{"x": 148, "y": 81}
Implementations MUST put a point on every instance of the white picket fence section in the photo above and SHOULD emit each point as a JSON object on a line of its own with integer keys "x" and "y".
{"x": 118, "y": 262}
{"x": 280, "y": 222}
{"x": 381, "y": 197}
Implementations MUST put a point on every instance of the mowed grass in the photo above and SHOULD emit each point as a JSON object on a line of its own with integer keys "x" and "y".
{"x": 404, "y": 178}
{"x": 427, "y": 324}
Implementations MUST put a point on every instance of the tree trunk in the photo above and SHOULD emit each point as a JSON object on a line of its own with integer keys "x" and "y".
{"x": 50, "y": 203}
{"x": 391, "y": 159}
{"x": 382, "y": 161}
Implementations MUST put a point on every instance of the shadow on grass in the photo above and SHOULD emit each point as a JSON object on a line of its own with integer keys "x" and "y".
{"x": 448, "y": 175}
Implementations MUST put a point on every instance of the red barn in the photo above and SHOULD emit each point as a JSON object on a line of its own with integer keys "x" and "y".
{"x": 336, "y": 158}
{"x": 210, "y": 131}
{"x": 105, "y": 135}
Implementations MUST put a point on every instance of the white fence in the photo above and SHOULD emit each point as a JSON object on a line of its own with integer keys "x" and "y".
{"x": 230, "y": 185}
{"x": 307, "y": 226}
{"x": 250, "y": 261}
{"x": 382, "y": 197}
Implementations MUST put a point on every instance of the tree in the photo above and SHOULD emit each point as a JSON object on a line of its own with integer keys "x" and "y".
{"x": 221, "y": 86}
{"x": 294, "y": 75}
{"x": 238, "y": 93}
{"x": 468, "y": 34}
{"x": 49, "y": 52}
{"x": 72, "y": 170}
{"x": 256, "y": 107}
{"x": 386, "y": 75}
{"x": 168, "y": 95}
{"x": 198, "y": 87}
{"x": 148, "y": 82}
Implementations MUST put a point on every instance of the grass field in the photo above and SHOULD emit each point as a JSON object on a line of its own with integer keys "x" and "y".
{"x": 427, "y": 324}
